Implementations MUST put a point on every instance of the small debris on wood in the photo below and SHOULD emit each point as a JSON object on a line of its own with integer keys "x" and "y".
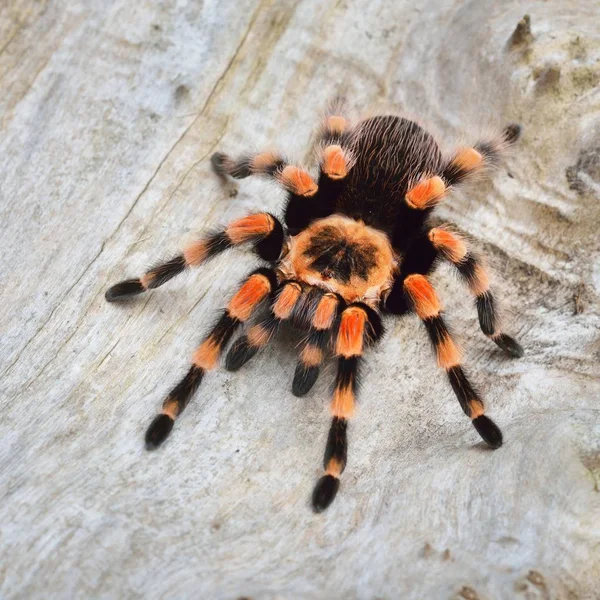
{"x": 522, "y": 35}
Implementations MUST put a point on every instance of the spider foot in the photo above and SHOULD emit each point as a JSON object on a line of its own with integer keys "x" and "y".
{"x": 324, "y": 492}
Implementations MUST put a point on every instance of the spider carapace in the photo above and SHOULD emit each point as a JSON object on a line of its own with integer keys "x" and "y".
{"x": 355, "y": 245}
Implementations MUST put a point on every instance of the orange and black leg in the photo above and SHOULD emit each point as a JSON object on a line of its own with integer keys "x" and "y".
{"x": 256, "y": 288}
{"x": 467, "y": 161}
{"x": 359, "y": 326}
{"x": 422, "y": 298}
{"x": 311, "y": 357}
{"x": 456, "y": 250}
{"x": 262, "y": 229}
{"x": 258, "y": 336}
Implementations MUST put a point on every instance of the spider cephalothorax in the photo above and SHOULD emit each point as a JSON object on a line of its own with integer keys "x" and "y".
{"x": 356, "y": 244}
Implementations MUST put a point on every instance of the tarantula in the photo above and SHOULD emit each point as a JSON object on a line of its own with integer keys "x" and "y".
{"x": 354, "y": 245}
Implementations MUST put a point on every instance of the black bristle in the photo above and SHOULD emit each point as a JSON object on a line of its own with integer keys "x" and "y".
{"x": 397, "y": 302}
{"x": 269, "y": 249}
{"x": 124, "y": 289}
{"x": 348, "y": 372}
{"x": 304, "y": 379}
{"x": 512, "y": 133}
{"x": 300, "y": 211}
{"x": 462, "y": 388}
{"x": 186, "y": 388}
{"x": 324, "y": 492}
{"x": 158, "y": 431}
{"x": 509, "y": 345}
{"x": 216, "y": 243}
{"x": 420, "y": 258}
{"x": 217, "y": 160}
{"x": 488, "y": 430}
{"x": 337, "y": 443}
{"x": 374, "y": 329}
{"x": 239, "y": 354}
{"x": 437, "y": 330}
{"x": 486, "y": 310}
{"x": 163, "y": 272}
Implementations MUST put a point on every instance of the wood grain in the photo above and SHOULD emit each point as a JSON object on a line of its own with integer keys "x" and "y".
{"x": 109, "y": 112}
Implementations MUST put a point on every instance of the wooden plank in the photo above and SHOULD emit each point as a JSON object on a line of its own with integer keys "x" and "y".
{"x": 109, "y": 113}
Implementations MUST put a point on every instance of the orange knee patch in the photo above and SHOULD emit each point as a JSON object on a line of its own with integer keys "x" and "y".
{"x": 171, "y": 408}
{"x": 252, "y": 292}
{"x": 258, "y": 336}
{"x": 146, "y": 280}
{"x": 298, "y": 181}
{"x": 426, "y": 193}
{"x": 325, "y": 312}
{"x": 350, "y": 336}
{"x": 476, "y": 408}
{"x": 311, "y": 356}
{"x": 448, "y": 353}
{"x": 451, "y": 245}
{"x": 336, "y": 124}
{"x": 287, "y": 300}
{"x": 467, "y": 159}
{"x": 342, "y": 403}
{"x": 334, "y": 468}
{"x": 334, "y": 162}
{"x": 195, "y": 253}
{"x": 208, "y": 353}
{"x": 250, "y": 227}
{"x": 480, "y": 282}
{"x": 265, "y": 162}
{"x": 423, "y": 296}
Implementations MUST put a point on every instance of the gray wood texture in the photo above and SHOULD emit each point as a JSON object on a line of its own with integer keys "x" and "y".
{"x": 109, "y": 112}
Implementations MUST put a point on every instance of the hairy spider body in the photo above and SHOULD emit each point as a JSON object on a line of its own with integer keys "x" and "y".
{"x": 355, "y": 244}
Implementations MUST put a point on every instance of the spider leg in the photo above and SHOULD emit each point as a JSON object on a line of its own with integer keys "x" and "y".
{"x": 313, "y": 352}
{"x": 467, "y": 161}
{"x": 259, "y": 335}
{"x": 242, "y": 305}
{"x": 262, "y": 229}
{"x": 456, "y": 250}
{"x": 423, "y": 195}
{"x": 422, "y": 298}
{"x": 335, "y": 161}
{"x": 359, "y": 326}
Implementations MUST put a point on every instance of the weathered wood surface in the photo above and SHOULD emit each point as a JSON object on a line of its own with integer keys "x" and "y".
{"x": 109, "y": 112}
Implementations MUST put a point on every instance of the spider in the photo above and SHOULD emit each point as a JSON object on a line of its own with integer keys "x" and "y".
{"x": 355, "y": 244}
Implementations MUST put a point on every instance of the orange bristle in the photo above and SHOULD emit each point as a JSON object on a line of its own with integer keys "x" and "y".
{"x": 249, "y": 295}
{"x": 336, "y": 124}
{"x": 448, "y": 353}
{"x": 334, "y": 467}
{"x": 342, "y": 404}
{"x": 476, "y": 408}
{"x": 298, "y": 181}
{"x": 480, "y": 283}
{"x": 249, "y": 228}
{"x": 195, "y": 253}
{"x": 334, "y": 162}
{"x": 423, "y": 296}
{"x": 449, "y": 244}
{"x": 287, "y": 300}
{"x": 426, "y": 193}
{"x": 350, "y": 336}
{"x": 207, "y": 355}
{"x": 265, "y": 162}
{"x": 325, "y": 312}
{"x": 468, "y": 159}
{"x": 311, "y": 356}
{"x": 258, "y": 336}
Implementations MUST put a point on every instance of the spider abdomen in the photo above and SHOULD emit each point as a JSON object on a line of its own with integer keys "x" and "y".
{"x": 389, "y": 154}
